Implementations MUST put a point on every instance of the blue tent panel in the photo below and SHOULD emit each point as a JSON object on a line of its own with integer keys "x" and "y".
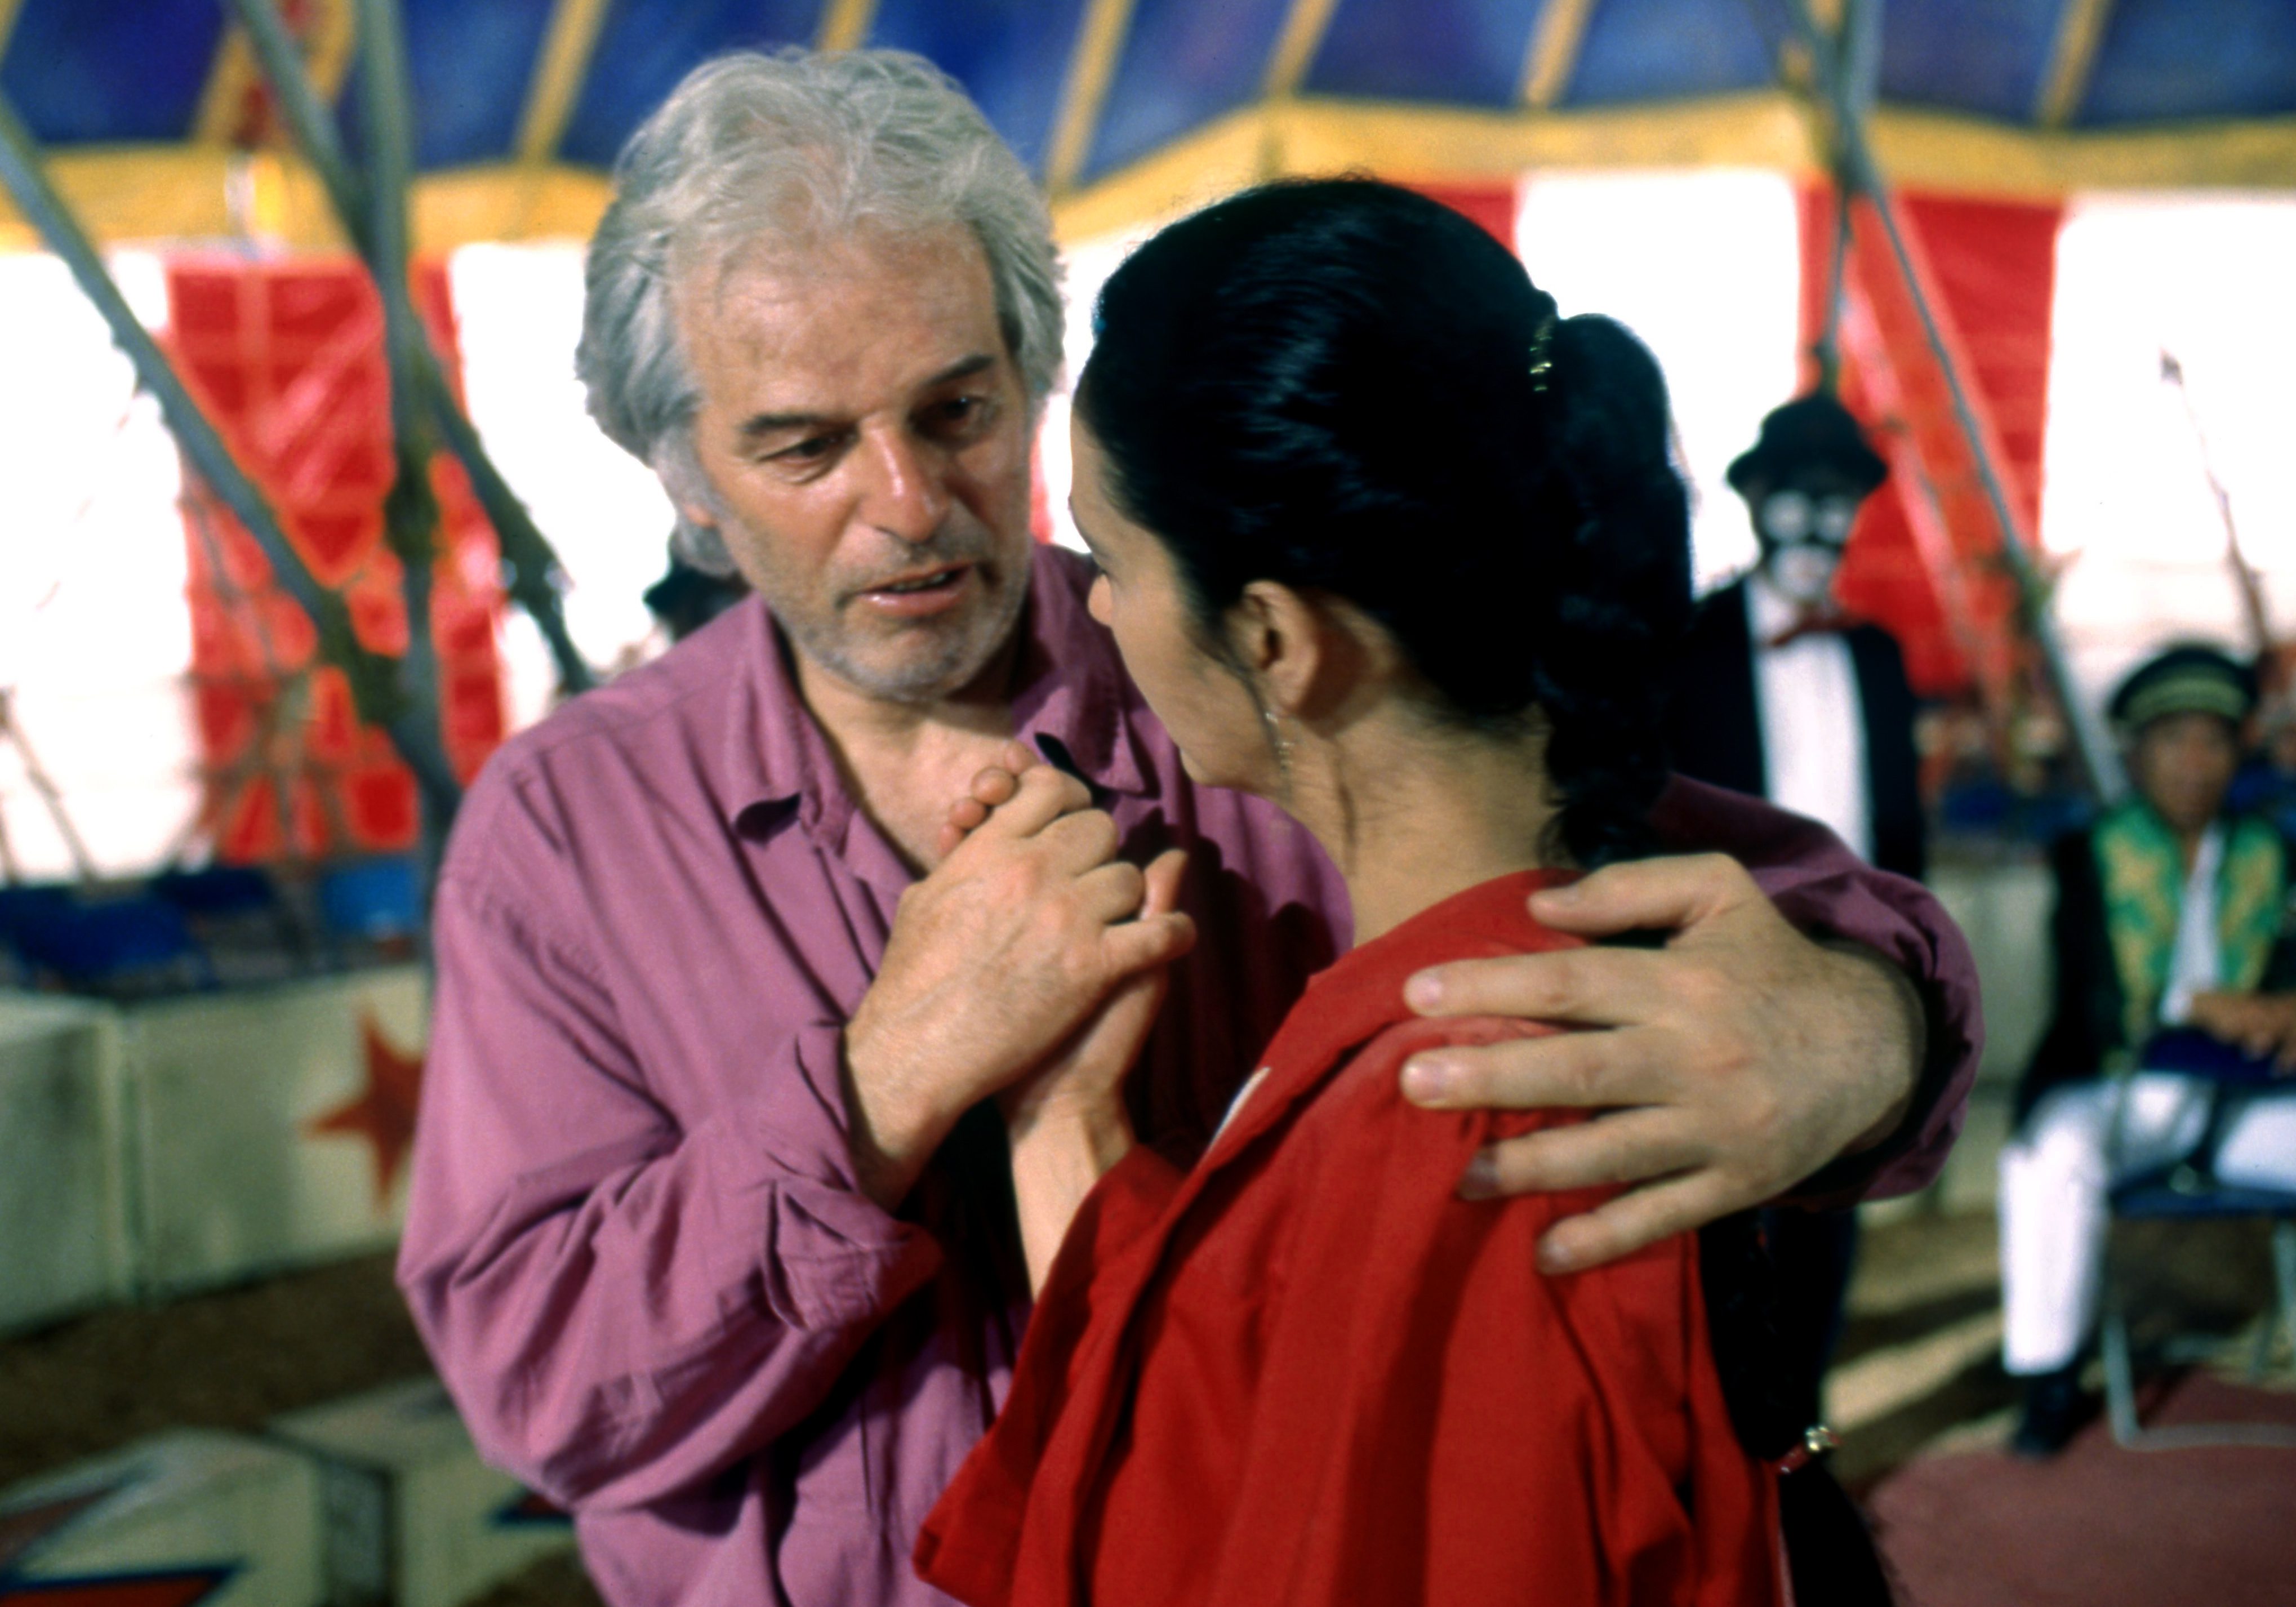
{"x": 1011, "y": 55}
{"x": 1647, "y": 50}
{"x": 1183, "y": 64}
{"x": 1469, "y": 52}
{"x": 63, "y": 68}
{"x": 2159, "y": 62}
{"x": 469, "y": 70}
{"x": 1973, "y": 55}
{"x": 645, "y": 46}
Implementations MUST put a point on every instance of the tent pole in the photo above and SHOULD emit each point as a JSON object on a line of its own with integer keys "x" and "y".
{"x": 1859, "y": 55}
{"x": 534, "y": 572}
{"x": 373, "y": 687}
{"x": 2096, "y": 770}
{"x": 411, "y": 513}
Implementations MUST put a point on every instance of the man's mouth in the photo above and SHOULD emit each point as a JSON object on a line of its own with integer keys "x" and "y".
{"x": 933, "y": 580}
{"x": 924, "y": 595}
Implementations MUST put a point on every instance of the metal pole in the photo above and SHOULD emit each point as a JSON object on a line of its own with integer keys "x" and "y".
{"x": 410, "y": 510}
{"x": 532, "y": 569}
{"x": 2091, "y": 753}
{"x": 282, "y": 61}
{"x": 1859, "y": 64}
{"x": 373, "y": 687}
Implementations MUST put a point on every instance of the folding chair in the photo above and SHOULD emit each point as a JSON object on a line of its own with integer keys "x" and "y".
{"x": 2189, "y": 1191}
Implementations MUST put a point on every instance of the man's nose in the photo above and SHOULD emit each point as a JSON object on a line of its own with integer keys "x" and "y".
{"x": 903, "y": 493}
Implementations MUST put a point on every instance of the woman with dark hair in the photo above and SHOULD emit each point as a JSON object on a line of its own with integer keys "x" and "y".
{"x": 1384, "y": 541}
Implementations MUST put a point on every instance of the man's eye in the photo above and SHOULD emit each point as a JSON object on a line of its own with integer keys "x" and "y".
{"x": 960, "y": 413}
{"x": 812, "y": 450}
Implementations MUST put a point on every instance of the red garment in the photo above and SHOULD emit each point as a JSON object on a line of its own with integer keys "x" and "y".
{"x": 1307, "y": 1372}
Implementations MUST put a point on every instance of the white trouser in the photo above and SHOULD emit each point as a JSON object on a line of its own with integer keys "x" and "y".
{"x": 2053, "y": 1194}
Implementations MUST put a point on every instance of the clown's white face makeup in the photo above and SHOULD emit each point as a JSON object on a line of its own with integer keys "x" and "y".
{"x": 1804, "y": 522}
{"x": 1803, "y": 571}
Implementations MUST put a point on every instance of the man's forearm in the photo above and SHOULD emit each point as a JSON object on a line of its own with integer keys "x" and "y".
{"x": 575, "y": 1302}
{"x": 1900, "y": 1048}
{"x": 1820, "y": 887}
{"x": 897, "y": 1114}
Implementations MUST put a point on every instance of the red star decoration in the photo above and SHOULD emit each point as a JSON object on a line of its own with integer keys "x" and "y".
{"x": 384, "y": 1114}
{"x": 27, "y": 1526}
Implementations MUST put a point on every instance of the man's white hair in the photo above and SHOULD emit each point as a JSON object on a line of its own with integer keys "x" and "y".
{"x": 797, "y": 147}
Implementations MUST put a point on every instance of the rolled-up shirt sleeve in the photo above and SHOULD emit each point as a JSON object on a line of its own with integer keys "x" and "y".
{"x": 621, "y": 1306}
{"x": 1825, "y": 889}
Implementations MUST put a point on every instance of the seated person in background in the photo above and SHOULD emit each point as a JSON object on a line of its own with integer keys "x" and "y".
{"x": 1384, "y": 543}
{"x": 2170, "y": 913}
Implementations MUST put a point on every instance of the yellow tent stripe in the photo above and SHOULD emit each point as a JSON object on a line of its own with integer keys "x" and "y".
{"x": 181, "y": 191}
{"x": 1768, "y": 129}
{"x": 1554, "y": 52}
{"x": 845, "y": 24}
{"x": 2072, "y": 57}
{"x": 558, "y": 74}
{"x": 231, "y": 74}
{"x": 8, "y": 10}
{"x": 1099, "y": 42}
{"x": 1304, "y": 27}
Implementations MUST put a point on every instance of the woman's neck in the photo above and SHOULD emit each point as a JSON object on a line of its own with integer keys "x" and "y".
{"x": 1412, "y": 817}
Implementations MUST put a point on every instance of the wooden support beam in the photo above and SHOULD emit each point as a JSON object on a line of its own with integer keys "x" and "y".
{"x": 2072, "y": 58}
{"x": 1304, "y": 27}
{"x": 560, "y": 72}
{"x": 1092, "y": 66}
{"x": 1553, "y": 54}
{"x": 845, "y": 25}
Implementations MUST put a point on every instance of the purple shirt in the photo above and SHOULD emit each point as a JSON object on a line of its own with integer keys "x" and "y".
{"x": 635, "y": 1242}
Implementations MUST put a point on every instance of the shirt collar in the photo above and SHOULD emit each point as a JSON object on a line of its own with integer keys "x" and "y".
{"x": 1071, "y": 683}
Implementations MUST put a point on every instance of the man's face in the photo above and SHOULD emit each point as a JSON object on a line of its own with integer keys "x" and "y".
{"x": 865, "y": 437}
{"x": 1803, "y": 521}
{"x": 2183, "y": 766}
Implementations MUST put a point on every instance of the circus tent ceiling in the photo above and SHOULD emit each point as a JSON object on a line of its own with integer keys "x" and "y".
{"x": 154, "y": 121}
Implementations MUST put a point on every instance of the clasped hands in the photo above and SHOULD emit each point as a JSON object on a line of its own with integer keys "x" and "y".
{"x": 2262, "y": 1025}
{"x": 1726, "y": 1067}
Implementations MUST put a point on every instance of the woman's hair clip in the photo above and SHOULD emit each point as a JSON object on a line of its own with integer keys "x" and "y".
{"x": 1542, "y": 353}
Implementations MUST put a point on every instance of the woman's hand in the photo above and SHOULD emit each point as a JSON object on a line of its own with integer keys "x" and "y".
{"x": 2260, "y": 1024}
{"x": 1066, "y": 1120}
{"x": 994, "y": 785}
{"x": 1082, "y": 1082}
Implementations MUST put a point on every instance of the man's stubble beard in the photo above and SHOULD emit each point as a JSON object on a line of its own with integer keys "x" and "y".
{"x": 967, "y": 646}
{"x": 966, "y": 651}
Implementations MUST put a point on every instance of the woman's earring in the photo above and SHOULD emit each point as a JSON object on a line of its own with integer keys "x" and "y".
{"x": 1280, "y": 743}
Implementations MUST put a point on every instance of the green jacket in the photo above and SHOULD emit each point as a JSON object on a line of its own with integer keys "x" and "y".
{"x": 2119, "y": 887}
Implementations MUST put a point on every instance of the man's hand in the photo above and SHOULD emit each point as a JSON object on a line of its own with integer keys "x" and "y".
{"x": 1732, "y": 1064}
{"x": 993, "y": 959}
{"x": 2260, "y": 1024}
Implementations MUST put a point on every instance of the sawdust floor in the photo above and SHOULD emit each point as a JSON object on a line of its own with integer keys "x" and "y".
{"x": 1917, "y": 1354}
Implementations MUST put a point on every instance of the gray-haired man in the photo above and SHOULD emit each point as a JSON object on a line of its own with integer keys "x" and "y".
{"x": 703, "y": 1235}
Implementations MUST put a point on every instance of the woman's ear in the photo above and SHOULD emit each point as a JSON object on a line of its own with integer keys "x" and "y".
{"x": 1288, "y": 646}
